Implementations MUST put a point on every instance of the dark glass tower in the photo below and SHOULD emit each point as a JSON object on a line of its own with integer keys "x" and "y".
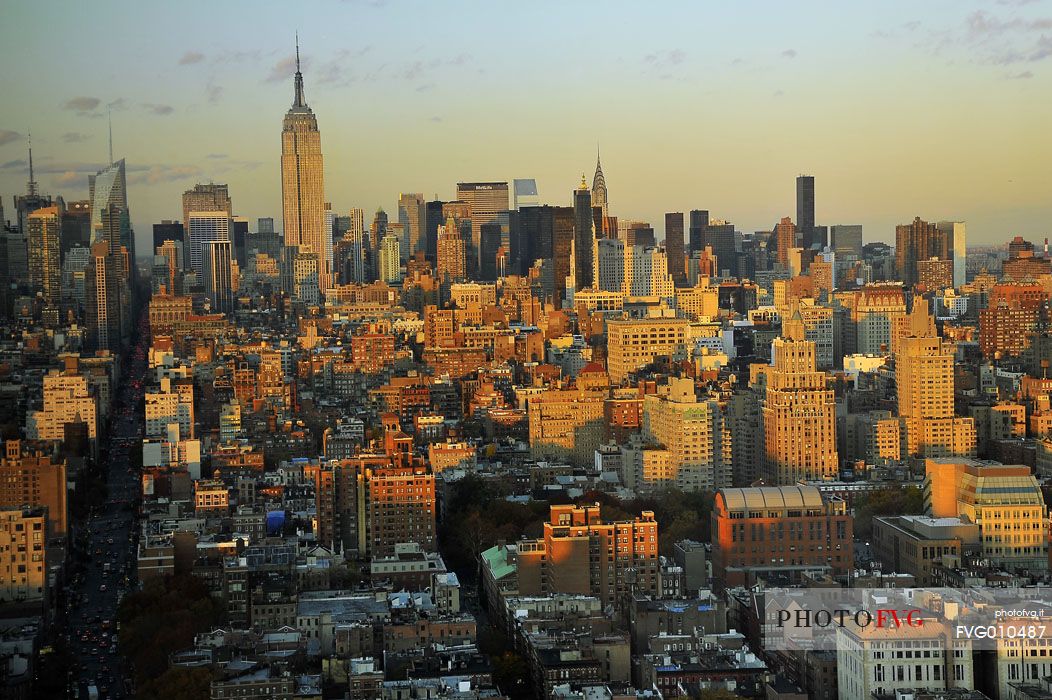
{"x": 805, "y": 209}
{"x": 583, "y": 236}
{"x": 674, "y": 247}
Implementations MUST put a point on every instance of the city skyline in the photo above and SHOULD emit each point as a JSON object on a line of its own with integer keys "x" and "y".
{"x": 201, "y": 109}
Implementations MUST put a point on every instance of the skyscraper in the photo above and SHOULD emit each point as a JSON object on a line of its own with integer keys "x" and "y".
{"x": 846, "y": 239}
{"x": 108, "y": 187}
{"x": 218, "y": 282}
{"x": 924, "y": 383}
{"x": 302, "y": 182}
{"x": 489, "y": 247}
{"x": 583, "y": 237}
{"x": 102, "y": 290}
{"x": 785, "y": 238}
{"x": 674, "y": 247}
{"x": 799, "y": 412}
{"x": 389, "y": 259}
{"x": 805, "y": 209}
{"x": 451, "y": 263}
{"x": 485, "y": 200}
{"x": 699, "y": 221}
{"x": 411, "y": 215}
{"x": 433, "y": 221}
{"x": 524, "y": 193}
{"x": 957, "y": 241}
{"x": 45, "y": 270}
{"x": 599, "y": 194}
{"x": 562, "y": 250}
{"x": 210, "y": 197}
{"x": 919, "y": 240}
{"x": 205, "y": 226}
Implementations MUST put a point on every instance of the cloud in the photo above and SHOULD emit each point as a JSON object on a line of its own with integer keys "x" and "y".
{"x": 673, "y": 57}
{"x": 156, "y": 174}
{"x": 68, "y": 178}
{"x": 191, "y": 57}
{"x": 789, "y": 53}
{"x": 7, "y": 136}
{"x": 159, "y": 110}
{"x": 425, "y": 87}
{"x": 436, "y": 119}
{"x": 82, "y": 105}
{"x": 74, "y": 137}
{"x": 216, "y": 156}
{"x": 118, "y": 104}
{"x": 1006, "y": 41}
{"x": 284, "y": 69}
{"x": 213, "y": 93}
{"x": 1024, "y": 75}
{"x": 13, "y": 165}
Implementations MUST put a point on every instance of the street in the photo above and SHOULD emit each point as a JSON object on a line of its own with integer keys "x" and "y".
{"x": 109, "y": 538}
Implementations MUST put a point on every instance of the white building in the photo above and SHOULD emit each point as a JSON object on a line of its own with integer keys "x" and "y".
{"x": 610, "y": 265}
{"x": 206, "y": 226}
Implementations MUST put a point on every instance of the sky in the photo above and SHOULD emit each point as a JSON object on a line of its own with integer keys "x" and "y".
{"x": 938, "y": 109}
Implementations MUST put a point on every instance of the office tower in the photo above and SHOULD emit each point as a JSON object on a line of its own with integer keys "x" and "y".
{"x": 583, "y": 237}
{"x": 172, "y": 254}
{"x": 74, "y": 268}
{"x": 805, "y": 210}
{"x": 918, "y": 241}
{"x": 924, "y": 382}
{"x": 722, "y": 238}
{"x": 489, "y": 248}
{"x": 524, "y": 194}
{"x": 599, "y": 193}
{"x": 699, "y": 221}
{"x": 562, "y": 250}
{"x": 24, "y": 562}
{"x": 846, "y": 239}
{"x": 357, "y": 221}
{"x": 102, "y": 292}
{"x": 210, "y": 197}
{"x": 350, "y": 258}
{"x": 1005, "y": 500}
{"x": 216, "y": 273}
{"x": 108, "y": 188}
{"x": 452, "y": 251}
{"x": 610, "y": 265}
{"x": 389, "y": 269}
{"x": 646, "y": 273}
{"x": 239, "y": 238}
{"x": 412, "y": 216}
{"x": 76, "y": 226}
{"x": 800, "y": 516}
{"x": 206, "y": 226}
{"x": 799, "y": 412}
{"x": 168, "y": 231}
{"x": 485, "y": 200}
{"x": 29, "y": 476}
{"x": 957, "y": 241}
{"x": 303, "y": 183}
{"x": 785, "y": 240}
{"x": 580, "y": 554}
{"x": 692, "y": 433}
{"x": 45, "y": 271}
{"x": 677, "y": 266}
{"x": 265, "y": 224}
{"x": 434, "y": 219}
{"x": 304, "y": 274}
{"x": 531, "y": 237}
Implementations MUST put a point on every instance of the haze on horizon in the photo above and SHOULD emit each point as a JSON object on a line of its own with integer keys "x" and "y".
{"x": 939, "y": 110}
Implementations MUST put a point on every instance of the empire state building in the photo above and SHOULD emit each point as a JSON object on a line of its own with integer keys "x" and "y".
{"x": 302, "y": 183}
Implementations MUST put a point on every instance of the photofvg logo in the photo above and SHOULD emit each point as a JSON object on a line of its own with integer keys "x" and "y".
{"x": 835, "y": 618}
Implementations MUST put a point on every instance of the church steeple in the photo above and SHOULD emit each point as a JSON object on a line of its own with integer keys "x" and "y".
{"x": 299, "y": 101}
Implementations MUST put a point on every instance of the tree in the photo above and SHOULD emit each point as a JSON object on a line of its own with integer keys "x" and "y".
{"x": 894, "y": 500}
{"x": 177, "y": 684}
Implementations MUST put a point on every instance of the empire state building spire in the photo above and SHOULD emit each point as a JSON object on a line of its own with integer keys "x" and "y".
{"x": 299, "y": 102}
